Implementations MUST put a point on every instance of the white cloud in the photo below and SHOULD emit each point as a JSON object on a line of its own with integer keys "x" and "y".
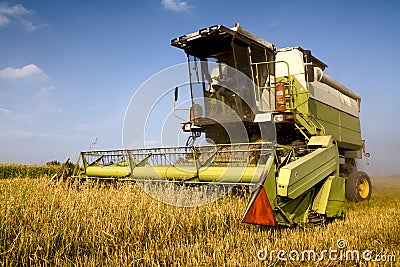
{"x": 175, "y": 5}
{"x": 29, "y": 25}
{"x": 45, "y": 92}
{"x": 28, "y": 71}
{"x": 83, "y": 127}
{"x": 23, "y": 134}
{"x": 16, "y": 133}
{"x": 4, "y": 110}
{"x": 8, "y": 12}
{"x": 46, "y": 102}
{"x": 49, "y": 108}
{"x": 16, "y": 13}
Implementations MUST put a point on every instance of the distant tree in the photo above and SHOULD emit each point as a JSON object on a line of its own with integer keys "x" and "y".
{"x": 53, "y": 163}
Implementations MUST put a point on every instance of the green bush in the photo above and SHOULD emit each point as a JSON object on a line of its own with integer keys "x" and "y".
{"x": 26, "y": 171}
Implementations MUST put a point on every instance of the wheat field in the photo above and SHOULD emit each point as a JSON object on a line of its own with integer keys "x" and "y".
{"x": 119, "y": 225}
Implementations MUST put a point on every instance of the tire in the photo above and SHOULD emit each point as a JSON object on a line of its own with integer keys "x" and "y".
{"x": 358, "y": 187}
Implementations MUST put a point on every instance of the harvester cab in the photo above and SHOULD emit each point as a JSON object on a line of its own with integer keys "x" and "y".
{"x": 273, "y": 120}
{"x": 222, "y": 80}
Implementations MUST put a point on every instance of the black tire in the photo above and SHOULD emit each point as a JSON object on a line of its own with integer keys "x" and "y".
{"x": 358, "y": 186}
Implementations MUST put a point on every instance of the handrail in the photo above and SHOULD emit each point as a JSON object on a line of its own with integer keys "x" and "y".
{"x": 288, "y": 77}
{"x": 293, "y": 94}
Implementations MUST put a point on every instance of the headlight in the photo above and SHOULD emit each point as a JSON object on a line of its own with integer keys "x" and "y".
{"x": 278, "y": 118}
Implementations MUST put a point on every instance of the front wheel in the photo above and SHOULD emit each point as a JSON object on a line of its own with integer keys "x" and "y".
{"x": 358, "y": 186}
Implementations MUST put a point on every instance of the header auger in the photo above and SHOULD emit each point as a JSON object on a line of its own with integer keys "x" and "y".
{"x": 272, "y": 120}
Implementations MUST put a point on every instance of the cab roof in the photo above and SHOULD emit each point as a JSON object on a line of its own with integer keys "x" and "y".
{"x": 211, "y": 41}
{"x": 221, "y": 37}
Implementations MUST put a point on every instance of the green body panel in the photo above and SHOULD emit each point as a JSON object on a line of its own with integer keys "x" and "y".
{"x": 320, "y": 141}
{"x": 336, "y": 200}
{"x": 326, "y": 198}
{"x": 270, "y": 182}
{"x": 297, "y": 96}
{"x": 344, "y": 127}
{"x": 294, "y": 211}
{"x": 353, "y": 154}
{"x": 322, "y": 197}
{"x": 297, "y": 177}
{"x": 331, "y": 198}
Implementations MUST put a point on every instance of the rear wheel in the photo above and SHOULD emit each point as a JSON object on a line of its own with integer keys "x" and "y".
{"x": 358, "y": 186}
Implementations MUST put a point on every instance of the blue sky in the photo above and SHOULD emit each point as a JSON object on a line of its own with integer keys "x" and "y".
{"x": 69, "y": 68}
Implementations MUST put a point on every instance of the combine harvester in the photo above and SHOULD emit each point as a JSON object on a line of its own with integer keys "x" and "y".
{"x": 274, "y": 121}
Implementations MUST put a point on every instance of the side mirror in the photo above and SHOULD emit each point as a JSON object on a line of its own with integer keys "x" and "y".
{"x": 367, "y": 155}
{"x": 176, "y": 94}
{"x": 309, "y": 68}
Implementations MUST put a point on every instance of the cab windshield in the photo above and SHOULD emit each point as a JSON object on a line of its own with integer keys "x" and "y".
{"x": 220, "y": 90}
